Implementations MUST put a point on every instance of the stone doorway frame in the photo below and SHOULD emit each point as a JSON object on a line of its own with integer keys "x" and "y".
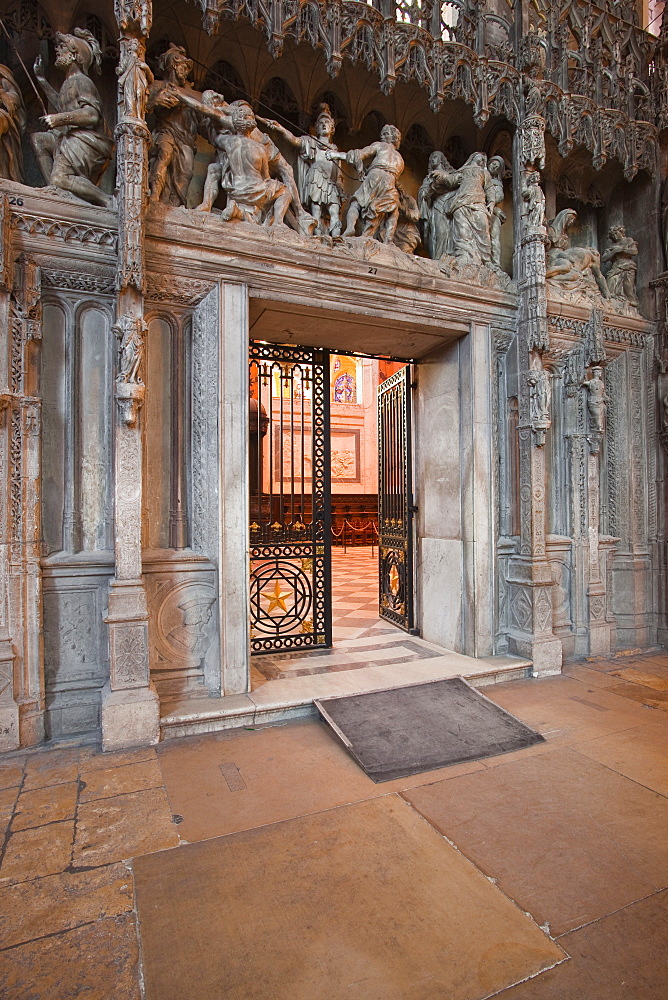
{"x": 455, "y": 523}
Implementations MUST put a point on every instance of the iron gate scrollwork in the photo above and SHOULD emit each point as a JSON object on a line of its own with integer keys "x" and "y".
{"x": 395, "y": 500}
{"x": 290, "y": 530}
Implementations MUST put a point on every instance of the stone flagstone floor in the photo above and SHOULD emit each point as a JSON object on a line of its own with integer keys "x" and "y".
{"x": 558, "y": 851}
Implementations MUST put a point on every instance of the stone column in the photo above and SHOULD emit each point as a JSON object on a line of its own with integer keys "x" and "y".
{"x": 130, "y": 706}
{"x": 530, "y": 575}
{"x": 233, "y": 556}
{"x": 21, "y": 659}
{"x": 584, "y": 427}
{"x": 9, "y": 710}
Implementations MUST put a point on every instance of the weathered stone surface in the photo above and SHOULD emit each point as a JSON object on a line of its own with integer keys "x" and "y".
{"x": 11, "y": 773}
{"x": 102, "y": 784}
{"x": 124, "y": 826}
{"x": 45, "y": 805}
{"x": 47, "y": 906}
{"x": 44, "y": 849}
{"x": 51, "y": 768}
{"x": 98, "y": 961}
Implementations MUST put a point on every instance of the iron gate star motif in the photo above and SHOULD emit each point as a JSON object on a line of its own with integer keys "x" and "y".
{"x": 290, "y": 533}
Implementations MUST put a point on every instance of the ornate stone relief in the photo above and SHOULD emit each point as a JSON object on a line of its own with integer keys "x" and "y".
{"x": 376, "y": 201}
{"x": 13, "y": 120}
{"x": 173, "y": 288}
{"x": 130, "y": 389}
{"x": 620, "y": 255}
{"x": 461, "y": 217}
{"x": 320, "y": 187}
{"x": 614, "y": 119}
{"x": 69, "y": 232}
{"x": 573, "y": 272}
{"x": 76, "y": 150}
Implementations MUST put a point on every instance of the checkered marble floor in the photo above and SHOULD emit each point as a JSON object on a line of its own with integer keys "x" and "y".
{"x": 354, "y": 591}
{"x": 359, "y": 636}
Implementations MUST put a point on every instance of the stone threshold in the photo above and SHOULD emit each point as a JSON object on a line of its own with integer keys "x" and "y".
{"x": 292, "y": 698}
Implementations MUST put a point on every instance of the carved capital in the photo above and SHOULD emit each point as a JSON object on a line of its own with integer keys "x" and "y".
{"x": 130, "y": 399}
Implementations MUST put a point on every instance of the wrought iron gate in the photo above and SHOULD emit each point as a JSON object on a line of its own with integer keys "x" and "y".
{"x": 290, "y": 533}
{"x": 395, "y": 500}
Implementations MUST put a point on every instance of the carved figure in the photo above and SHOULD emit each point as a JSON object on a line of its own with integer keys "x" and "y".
{"x": 130, "y": 332}
{"x": 172, "y": 152}
{"x": 320, "y": 189}
{"x": 572, "y": 268}
{"x": 533, "y": 209}
{"x": 377, "y": 198}
{"x": 596, "y": 399}
{"x": 134, "y": 77}
{"x": 541, "y": 391}
{"x": 494, "y": 192}
{"x": 407, "y": 235}
{"x": 74, "y": 153}
{"x": 470, "y": 208}
{"x": 13, "y": 120}
{"x": 243, "y": 163}
{"x": 433, "y": 199}
{"x": 620, "y": 254}
{"x": 191, "y": 634}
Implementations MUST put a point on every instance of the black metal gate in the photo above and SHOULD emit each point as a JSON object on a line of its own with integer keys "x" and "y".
{"x": 395, "y": 500}
{"x": 290, "y": 533}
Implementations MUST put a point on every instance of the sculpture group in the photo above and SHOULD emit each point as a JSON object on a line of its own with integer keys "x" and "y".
{"x": 458, "y": 215}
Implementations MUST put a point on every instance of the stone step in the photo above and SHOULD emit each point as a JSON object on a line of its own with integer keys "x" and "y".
{"x": 292, "y": 698}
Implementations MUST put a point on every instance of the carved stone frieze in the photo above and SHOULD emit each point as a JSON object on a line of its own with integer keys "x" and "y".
{"x": 177, "y": 289}
{"x": 78, "y": 281}
{"x": 69, "y": 232}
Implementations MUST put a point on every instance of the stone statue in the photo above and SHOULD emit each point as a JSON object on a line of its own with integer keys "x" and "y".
{"x": 134, "y": 78}
{"x": 470, "y": 208}
{"x": 433, "y": 198}
{"x": 74, "y": 153}
{"x": 13, "y": 120}
{"x": 533, "y": 209}
{"x": 494, "y": 192}
{"x": 620, "y": 254}
{"x": 407, "y": 235}
{"x": 130, "y": 332}
{"x": 539, "y": 380}
{"x": 172, "y": 153}
{"x": 377, "y": 198}
{"x": 243, "y": 164}
{"x": 596, "y": 399}
{"x": 540, "y": 390}
{"x": 320, "y": 187}
{"x": 572, "y": 269}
